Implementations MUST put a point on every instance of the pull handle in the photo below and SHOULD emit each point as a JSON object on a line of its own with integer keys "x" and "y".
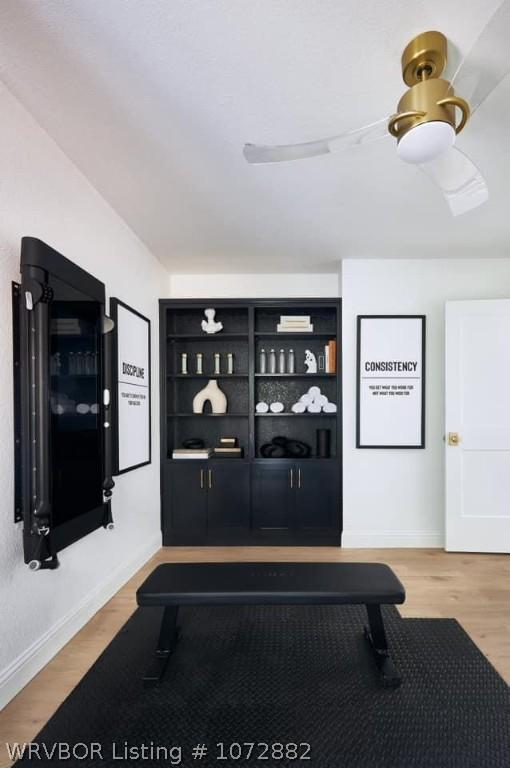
{"x": 292, "y": 478}
{"x": 202, "y": 479}
{"x": 299, "y": 478}
{"x": 40, "y": 424}
{"x": 210, "y": 479}
{"x": 108, "y": 481}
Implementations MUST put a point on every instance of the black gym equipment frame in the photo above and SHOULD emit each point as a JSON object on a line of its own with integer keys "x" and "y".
{"x": 45, "y": 275}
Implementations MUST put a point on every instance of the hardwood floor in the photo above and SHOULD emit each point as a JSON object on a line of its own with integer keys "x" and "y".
{"x": 474, "y": 589}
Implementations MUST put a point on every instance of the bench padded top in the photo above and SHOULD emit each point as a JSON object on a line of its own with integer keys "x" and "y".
{"x": 270, "y": 583}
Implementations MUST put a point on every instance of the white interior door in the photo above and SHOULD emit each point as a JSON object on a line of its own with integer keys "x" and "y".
{"x": 478, "y": 412}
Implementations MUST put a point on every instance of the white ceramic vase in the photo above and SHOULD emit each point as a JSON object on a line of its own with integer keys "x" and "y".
{"x": 214, "y": 395}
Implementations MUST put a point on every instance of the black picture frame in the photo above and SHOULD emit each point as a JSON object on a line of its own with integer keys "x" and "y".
{"x": 421, "y": 443}
{"x": 115, "y": 303}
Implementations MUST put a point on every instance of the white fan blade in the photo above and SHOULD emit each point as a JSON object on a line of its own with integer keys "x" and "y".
{"x": 259, "y": 153}
{"x": 458, "y": 178}
{"x": 488, "y": 61}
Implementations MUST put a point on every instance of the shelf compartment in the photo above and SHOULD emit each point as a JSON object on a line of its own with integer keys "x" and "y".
{"x": 295, "y": 426}
{"x": 181, "y": 393}
{"x": 294, "y": 335}
{"x": 238, "y": 460}
{"x": 320, "y": 375}
{"x": 299, "y": 345}
{"x": 311, "y": 459}
{"x": 193, "y": 346}
{"x": 209, "y": 428}
{"x": 288, "y": 390}
{"x": 323, "y": 318}
{"x": 207, "y": 376}
{"x": 299, "y": 415}
{"x": 207, "y": 336}
{"x": 186, "y": 321}
{"x": 207, "y": 415}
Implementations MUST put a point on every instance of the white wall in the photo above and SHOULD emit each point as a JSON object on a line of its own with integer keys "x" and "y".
{"x": 254, "y": 286}
{"x": 44, "y": 195}
{"x": 395, "y": 497}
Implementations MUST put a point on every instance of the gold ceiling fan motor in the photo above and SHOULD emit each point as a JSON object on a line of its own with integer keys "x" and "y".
{"x": 430, "y": 99}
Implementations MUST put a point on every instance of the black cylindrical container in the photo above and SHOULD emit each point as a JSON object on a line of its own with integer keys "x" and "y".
{"x": 323, "y": 443}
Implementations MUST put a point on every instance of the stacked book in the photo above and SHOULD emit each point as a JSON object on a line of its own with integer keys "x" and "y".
{"x": 295, "y": 324}
{"x": 191, "y": 453}
{"x": 330, "y": 356}
{"x": 228, "y": 448}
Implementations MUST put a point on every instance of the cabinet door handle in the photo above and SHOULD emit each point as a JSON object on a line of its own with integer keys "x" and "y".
{"x": 202, "y": 479}
{"x": 299, "y": 478}
{"x": 210, "y": 479}
{"x": 292, "y": 478}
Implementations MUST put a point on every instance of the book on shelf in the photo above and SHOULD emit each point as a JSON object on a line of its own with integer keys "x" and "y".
{"x": 295, "y": 320}
{"x": 284, "y": 328}
{"x": 330, "y": 356}
{"x": 228, "y": 441}
{"x": 191, "y": 453}
{"x": 228, "y": 452}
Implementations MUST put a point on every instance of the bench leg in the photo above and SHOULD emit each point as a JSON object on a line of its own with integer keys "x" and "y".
{"x": 376, "y": 637}
{"x": 168, "y": 636}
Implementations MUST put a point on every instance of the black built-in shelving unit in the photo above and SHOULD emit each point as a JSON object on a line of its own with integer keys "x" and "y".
{"x": 252, "y": 500}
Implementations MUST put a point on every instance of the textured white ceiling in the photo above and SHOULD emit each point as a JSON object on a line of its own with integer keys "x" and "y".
{"x": 153, "y": 100}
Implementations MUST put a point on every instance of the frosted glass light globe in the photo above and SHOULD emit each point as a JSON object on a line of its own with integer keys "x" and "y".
{"x": 426, "y": 141}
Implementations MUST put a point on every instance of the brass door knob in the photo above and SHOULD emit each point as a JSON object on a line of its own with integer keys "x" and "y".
{"x": 453, "y": 438}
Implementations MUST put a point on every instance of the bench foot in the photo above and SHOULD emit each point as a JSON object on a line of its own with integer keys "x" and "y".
{"x": 376, "y": 636}
{"x": 168, "y": 637}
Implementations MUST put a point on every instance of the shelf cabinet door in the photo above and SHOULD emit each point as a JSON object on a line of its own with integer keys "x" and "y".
{"x": 228, "y": 496}
{"x": 317, "y": 495}
{"x": 273, "y": 496}
{"x": 185, "y": 492}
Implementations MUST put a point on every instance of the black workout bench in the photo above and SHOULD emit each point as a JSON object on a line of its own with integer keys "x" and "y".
{"x": 370, "y": 584}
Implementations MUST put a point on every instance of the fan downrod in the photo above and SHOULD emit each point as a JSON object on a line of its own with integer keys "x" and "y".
{"x": 424, "y": 57}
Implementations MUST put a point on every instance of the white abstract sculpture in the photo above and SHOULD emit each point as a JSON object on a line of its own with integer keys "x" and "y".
{"x": 310, "y": 361}
{"x": 209, "y": 325}
{"x": 214, "y": 395}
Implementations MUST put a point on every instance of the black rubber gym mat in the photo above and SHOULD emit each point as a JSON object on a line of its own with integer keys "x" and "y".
{"x": 288, "y": 676}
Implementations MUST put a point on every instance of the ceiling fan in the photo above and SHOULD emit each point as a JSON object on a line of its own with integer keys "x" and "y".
{"x": 425, "y": 125}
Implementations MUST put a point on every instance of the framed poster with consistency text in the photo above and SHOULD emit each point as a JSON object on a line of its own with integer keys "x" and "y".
{"x": 390, "y": 381}
{"x": 131, "y": 394}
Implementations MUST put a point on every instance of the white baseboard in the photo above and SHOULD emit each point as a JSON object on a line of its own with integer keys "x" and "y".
{"x": 20, "y": 671}
{"x": 392, "y": 539}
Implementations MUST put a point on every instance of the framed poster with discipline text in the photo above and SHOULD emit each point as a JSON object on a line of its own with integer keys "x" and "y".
{"x": 131, "y": 394}
{"x": 390, "y": 409}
